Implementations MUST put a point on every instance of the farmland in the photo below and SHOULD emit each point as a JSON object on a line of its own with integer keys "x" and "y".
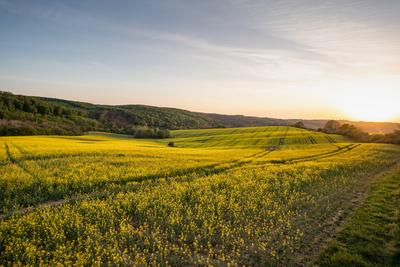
{"x": 245, "y": 196}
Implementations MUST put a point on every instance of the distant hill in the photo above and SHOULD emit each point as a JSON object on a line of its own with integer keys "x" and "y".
{"x": 27, "y": 115}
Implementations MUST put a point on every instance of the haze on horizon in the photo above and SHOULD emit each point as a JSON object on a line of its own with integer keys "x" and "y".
{"x": 285, "y": 59}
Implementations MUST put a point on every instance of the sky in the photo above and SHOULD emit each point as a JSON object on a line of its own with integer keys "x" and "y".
{"x": 336, "y": 59}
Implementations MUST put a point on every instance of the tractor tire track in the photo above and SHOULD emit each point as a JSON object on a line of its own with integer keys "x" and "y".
{"x": 330, "y": 139}
{"x": 152, "y": 180}
{"x": 17, "y": 162}
{"x": 20, "y": 162}
{"x": 312, "y": 140}
{"x": 338, "y": 151}
{"x": 10, "y": 158}
{"x": 326, "y": 155}
{"x": 282, "y": 139}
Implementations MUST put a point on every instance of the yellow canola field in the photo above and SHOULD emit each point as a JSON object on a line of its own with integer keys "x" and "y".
{"x": 109, "y": 199}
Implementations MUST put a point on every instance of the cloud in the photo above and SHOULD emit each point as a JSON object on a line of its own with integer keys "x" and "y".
{"x": 291, "y": 62}
{"x": 297, "y": 44}
{"x": 357, "y": 33}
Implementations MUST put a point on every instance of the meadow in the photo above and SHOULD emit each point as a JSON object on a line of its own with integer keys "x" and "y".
{"x": 240, "y": 196}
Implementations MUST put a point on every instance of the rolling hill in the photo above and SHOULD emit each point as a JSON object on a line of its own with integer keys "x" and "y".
{"x": 29, "y": 115}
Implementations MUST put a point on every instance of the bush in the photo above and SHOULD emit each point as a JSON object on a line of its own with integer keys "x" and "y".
{"x": 299, "y": 124}
{"x": 171, "y": 144}
{"x": 146, "y": 132}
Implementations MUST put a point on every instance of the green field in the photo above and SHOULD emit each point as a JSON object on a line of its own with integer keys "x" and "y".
{"x": 253, "y": 137}
{"x": 256, "y": 196}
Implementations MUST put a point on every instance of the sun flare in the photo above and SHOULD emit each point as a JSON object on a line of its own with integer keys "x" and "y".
{"x": 369, "y": 112}
{"x": 375, "y": 100}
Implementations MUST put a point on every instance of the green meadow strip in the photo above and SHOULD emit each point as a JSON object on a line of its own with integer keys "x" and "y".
{"x": 371, "y": 237}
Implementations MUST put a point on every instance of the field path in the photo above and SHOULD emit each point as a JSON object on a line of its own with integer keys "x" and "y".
{"x": 323, "y": 233}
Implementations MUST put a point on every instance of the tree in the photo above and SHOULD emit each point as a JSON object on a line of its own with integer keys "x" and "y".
{"x": 43, "y": 109}
{"x": 332, "y": 126}
{"x": 162, "y": 133}
{"x": 27, "y": 106}
{"x": 393, "y": 138}
{"x": 299, "y": 124}
{"x": 57, "y": 111}
{"x": 353, "y": 132}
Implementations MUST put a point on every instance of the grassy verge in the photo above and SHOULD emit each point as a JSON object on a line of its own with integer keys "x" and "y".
{"x": 372, "y": 235}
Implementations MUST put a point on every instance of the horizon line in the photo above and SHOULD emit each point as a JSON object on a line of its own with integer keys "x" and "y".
{"x": 204, "y": 112}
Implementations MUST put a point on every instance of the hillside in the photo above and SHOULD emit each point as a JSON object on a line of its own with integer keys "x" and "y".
{"x": 28, "y": 115}
{"x": 171, "y": 118}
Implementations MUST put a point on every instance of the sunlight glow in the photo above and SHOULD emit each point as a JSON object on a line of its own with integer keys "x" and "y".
{"x": 372, "y": 100}
{"x": 365, "y": 111}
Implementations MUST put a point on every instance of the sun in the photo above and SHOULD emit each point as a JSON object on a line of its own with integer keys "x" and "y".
{"x": 369, "y": 107}
{"x": 365, "y": 111}
{"x": 373, "y": 101}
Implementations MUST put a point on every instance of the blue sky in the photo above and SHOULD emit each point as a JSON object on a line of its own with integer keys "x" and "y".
{"x": 288, "y": 58}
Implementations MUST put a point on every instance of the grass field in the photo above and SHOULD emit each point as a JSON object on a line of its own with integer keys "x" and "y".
{"x": 371, "y": 237}
{"x": 247, "y": 196}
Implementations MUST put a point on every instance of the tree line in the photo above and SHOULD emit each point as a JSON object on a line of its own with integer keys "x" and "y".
{"x": 351, "y": 131}
{"x": 25, "y": 115}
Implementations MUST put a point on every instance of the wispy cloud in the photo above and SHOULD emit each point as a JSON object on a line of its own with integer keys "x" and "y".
{"x": 291, "y": 63}
{"x": 358, "y": 33}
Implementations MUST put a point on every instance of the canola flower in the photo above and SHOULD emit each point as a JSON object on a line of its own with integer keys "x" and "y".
{"x": 174, "y": 206}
